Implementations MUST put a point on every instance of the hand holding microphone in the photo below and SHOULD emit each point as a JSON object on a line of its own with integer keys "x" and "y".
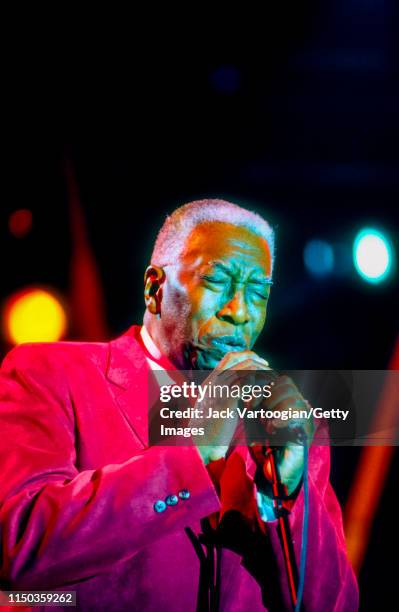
{"x": 230, "y": 369}
{"x": 287, "y": 436}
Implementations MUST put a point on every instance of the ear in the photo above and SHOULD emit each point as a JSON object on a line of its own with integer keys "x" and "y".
{"x": 154, "y": 278}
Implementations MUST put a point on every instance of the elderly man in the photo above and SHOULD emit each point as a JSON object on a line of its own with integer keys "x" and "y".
{"x": 87, "y": 505}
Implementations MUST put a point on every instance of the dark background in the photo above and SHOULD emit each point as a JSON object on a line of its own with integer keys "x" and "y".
{"x": 293, "y": 113}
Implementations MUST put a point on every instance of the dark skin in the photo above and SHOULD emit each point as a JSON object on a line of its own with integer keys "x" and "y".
{"x": 206, "y": 311}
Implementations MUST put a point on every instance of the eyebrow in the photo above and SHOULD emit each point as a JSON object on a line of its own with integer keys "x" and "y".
{"x": 259, "y": 281}
{"x": 220, "y": 264}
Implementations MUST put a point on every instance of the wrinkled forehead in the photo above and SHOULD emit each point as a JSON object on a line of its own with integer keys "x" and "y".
{"x": 219, "y": 241}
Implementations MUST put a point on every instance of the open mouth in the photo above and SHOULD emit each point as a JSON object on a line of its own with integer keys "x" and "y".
{"x": 212, "y": 349}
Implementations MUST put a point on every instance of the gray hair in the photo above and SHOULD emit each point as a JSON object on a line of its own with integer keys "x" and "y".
{"x": 178, "y": 226}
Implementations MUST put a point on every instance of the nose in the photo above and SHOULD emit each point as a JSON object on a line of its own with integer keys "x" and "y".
{"x": 235, "y": 311}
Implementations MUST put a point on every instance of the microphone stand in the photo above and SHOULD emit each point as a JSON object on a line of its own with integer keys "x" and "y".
{"x": 279, "y": 492}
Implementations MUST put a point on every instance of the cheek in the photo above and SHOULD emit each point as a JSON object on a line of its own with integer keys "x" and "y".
{"x": 204, "y": 304}
{"x": 204, "y": 308}
{"x": 258, "y": 319}
{"x": 175, "y": 297}
{"x": 175, "y": 312}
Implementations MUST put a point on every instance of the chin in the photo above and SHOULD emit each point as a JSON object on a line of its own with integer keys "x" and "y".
{"x": 201, "y": 360}
{"x": 206, "y": 361}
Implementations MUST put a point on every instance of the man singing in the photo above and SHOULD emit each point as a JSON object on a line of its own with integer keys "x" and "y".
{"x": 87, "y": 505}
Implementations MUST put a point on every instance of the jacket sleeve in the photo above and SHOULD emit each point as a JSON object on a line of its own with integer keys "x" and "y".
{"x": 330, "y": 583}
{"x": 59, "y": 525}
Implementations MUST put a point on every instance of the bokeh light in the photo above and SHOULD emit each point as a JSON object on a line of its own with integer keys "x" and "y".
{"x": 372, "y": 255}
{"x": 318, "y": 256}
{"x": 20, "y": 222}
{"x": 34, "y": 315}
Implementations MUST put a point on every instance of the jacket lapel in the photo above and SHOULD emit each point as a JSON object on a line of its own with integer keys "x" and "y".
{"x": 128, "y": 371}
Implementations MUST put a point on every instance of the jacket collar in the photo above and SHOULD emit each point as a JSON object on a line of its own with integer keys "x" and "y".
{"x": 127, "y": 368}
{"x": 126, "y": 359}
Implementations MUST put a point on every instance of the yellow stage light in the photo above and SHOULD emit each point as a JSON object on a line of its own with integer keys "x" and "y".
{"x": 34, "y": 315}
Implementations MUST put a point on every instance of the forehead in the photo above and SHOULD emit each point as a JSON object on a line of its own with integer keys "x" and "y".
{"x": 215, "y": 240}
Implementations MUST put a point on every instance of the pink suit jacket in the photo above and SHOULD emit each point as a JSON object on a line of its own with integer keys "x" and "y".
{"x": 78, "y": 484}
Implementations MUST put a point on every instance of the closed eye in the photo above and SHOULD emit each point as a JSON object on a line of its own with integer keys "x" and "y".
{"x": 213, "y": 279}
{"x": 261, "y": 289}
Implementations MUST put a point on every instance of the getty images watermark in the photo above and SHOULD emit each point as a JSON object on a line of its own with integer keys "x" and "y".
{"x": 246, "y": 393}
{"x": 342, "y": 406}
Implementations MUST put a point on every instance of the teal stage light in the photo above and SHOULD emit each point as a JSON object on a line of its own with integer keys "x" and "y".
{"x": 372, "y": 255}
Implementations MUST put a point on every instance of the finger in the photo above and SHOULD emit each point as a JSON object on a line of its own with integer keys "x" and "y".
{"x": 239, "y": 372}
{"x": 282, "y": 393}
{"x": 247, "y": 374}
{"x": 235, "y": 357}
